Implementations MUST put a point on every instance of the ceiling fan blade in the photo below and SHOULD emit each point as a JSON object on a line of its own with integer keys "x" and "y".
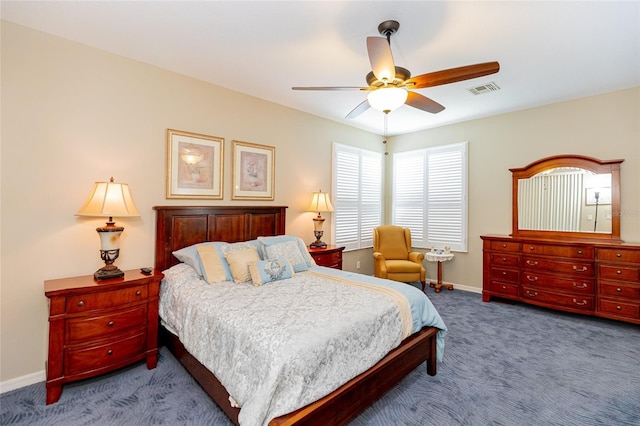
{"x": 362, "y": 107}
{"x": 331, "y": 88}
{"x": 381, "y": 58}
{"x": 419, "y": 101}
{"x": 452, "y": 75}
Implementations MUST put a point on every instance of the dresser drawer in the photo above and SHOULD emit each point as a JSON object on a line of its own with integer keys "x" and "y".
{"x": 503, "y": 288}
{"x": 504, "y": 246}
{"x": 87, "y": 358}
{"x": 558, "y": 250}
{"x": 619, "y": 254}
{"x": 619, "y": 289}
{"x": 505, "y": 259}
{"x": 622, "y": 309}
{"x": 107, "y": 299}
{"x": 577, "y": 268}
{"x": 578, "y": 302}
{"x": 532, "y": 278}
{"x": 90, "y": 327}
{"x": 505, "y": 275}
{"x": 614, "y": 272}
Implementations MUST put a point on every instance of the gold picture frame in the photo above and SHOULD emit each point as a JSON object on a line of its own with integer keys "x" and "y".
{"x": 253, "y": 171}
{"x": 195, "y": 165}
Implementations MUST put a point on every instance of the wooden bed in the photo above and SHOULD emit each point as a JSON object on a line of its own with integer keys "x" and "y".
{"x": 178, "y": 227}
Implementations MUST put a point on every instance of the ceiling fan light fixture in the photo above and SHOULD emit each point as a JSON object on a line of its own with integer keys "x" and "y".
{"x": 387, "y": 99}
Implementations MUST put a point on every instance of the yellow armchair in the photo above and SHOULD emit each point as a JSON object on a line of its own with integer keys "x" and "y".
{"x": 393, "y": 258}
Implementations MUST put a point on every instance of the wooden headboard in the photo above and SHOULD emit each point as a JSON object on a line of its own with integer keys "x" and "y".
{"x": 180, "y": 226}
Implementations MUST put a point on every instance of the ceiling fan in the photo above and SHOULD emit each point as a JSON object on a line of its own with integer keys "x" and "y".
{"x": 390, "y": 86}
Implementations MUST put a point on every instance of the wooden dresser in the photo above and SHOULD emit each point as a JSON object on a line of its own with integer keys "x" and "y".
{"x": 330, "y": 256}
{"x": 593, "y": 278}
{"x": 99, "y": 326}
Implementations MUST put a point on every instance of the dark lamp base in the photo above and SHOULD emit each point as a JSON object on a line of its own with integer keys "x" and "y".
{"x": 318, "y": 244}
{"x": 106, "y": 274}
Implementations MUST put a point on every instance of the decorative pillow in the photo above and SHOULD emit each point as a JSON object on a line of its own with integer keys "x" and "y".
{"x": 239, "y": 263}
{"x": 289, "y": 246}
{"x": 190, "y": 256}
{"x": 214, "y": 266}
{"x": 266, "y": 271}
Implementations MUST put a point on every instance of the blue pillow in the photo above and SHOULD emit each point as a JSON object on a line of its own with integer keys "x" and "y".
{"x": 266, "y": 271}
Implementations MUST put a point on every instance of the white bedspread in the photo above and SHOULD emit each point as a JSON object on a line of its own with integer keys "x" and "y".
{"x": 283, "y": 345}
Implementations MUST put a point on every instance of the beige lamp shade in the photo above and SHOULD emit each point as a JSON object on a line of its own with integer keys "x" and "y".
{"x": 320, "y": 203}
{"x": 109, "y": 199}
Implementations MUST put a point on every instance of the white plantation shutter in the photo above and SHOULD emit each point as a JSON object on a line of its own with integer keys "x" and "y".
{"x": 357, "y": 196}
{"x": 430, "y": 195}
{"x": 408, "y": 194}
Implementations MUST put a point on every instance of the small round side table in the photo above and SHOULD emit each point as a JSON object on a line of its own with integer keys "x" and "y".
{"x": 439, "y": 258}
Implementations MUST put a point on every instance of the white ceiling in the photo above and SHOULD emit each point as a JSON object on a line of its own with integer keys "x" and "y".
{"x": 548, "y": 51}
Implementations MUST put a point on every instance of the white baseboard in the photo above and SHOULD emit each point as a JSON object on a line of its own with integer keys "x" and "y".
{"x": 467, "y": 288}
{"x": 20, "y": 382}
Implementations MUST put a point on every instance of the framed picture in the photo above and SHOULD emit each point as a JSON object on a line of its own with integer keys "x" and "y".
{"x": 194, "y": 165}
{"x": 604, "y": 196}
{"x": 253, "y": 171}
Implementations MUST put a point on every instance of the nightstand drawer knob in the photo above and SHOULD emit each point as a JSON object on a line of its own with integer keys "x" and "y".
{"x": 110, "y": 352}
{"x": 111, "y": 324}
{"x": 138, "y": 293}
{"x": 81, "y": 304}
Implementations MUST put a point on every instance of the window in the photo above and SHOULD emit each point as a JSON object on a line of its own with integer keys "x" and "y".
{"x": 430, "y": 195}
{"x": 357, "y": 196}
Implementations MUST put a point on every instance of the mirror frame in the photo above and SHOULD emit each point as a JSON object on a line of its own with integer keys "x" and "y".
{"x": 588, "y": 163}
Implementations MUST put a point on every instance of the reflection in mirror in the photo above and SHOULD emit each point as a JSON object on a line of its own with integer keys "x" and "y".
{"x": 567, "y": 199}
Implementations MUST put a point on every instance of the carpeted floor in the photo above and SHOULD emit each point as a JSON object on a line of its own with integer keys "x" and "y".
{"x": 504, "y": 365}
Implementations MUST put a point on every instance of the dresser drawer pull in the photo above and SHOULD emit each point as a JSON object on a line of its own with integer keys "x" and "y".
{"x": 504, "y": 259}
{"x": 618, "y": 254}
{"x": 619, "y": 290}
{"x": 579, "y": 251}
{"x": 110, "y": 352}
{"x": 619, "y": 307}
{"x": 584, "y": 302}
{"x": 532, "y": 263}
{"x": 138, "y": 293}
{"x": 531, "y": 248}
{"x": 618, "y": 272}
{"x": 530, "y": 278}
{"x": 111, "y": 324}
{"x": 504, "y": 273}
{"x": 532, "y": 293}
{"x": 581, "y": 285}
{"x": 582, "y": 269}
{"x": 81, "y": 304}
{"x": 504, "y": 245}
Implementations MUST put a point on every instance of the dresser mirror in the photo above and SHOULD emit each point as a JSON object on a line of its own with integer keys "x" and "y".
{"x": 567, "y": 196}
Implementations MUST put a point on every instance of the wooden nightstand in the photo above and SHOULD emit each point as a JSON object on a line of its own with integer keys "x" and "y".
{"x": 100, "y": 326}
{"x": 330, "y": 256}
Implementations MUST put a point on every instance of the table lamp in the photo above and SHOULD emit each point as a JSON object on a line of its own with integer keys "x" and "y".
{"x": 319, "y": 203}
{"x": 109, "y": 199}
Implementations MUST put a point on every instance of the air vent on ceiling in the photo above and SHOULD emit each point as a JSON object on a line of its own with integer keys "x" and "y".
{"x": 485, "y": 88}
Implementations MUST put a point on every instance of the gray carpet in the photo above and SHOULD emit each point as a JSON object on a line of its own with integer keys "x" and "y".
{"x": 504, "y": 365}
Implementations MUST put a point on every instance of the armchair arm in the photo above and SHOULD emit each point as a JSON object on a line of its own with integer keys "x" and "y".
{"x": 379, "y": 265}
{"x": 416, "y": 257}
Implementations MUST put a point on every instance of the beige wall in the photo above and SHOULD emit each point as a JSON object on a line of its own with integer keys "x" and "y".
{"x": 72, "y": 115}
{"x": 605, "y": 127}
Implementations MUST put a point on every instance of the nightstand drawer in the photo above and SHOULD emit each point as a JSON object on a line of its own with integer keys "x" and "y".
{"x": 85, "y": 328}
{"x": 85, "y": 359}
{"x": 107, "y": 299}
{"x": 326, "y": 259}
